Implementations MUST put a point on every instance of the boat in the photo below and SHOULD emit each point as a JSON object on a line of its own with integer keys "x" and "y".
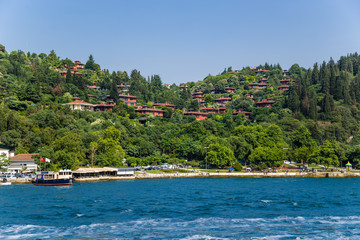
{"x": 4, "y": 182}
{"x": 50, "y": 178}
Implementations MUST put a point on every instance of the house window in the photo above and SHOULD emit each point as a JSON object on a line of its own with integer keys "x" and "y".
{"x": 132, "y": 104}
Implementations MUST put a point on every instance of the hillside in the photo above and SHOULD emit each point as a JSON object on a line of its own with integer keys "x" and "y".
{"x": 251, "y": 116}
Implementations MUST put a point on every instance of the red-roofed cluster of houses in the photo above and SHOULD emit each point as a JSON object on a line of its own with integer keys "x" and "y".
{"x": 78, "y": 104}
{"x": 63, "y": 73}
{"x": 285, "y": 84}
{"x": 78, "y": 65}
{"x": 154, "y": 111}
{"x": 131, "y": 101}
{"x": 256, "y": 85}
{"x": 124, "y": 87}
{"x": 147, "y": 110}
{"x": 265, "y": 103}
{"x": 261, "y": 71}
{"x": 199, "y": 95}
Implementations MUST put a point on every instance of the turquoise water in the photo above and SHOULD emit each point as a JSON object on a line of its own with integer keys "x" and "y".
{"x": 213, "y": 208}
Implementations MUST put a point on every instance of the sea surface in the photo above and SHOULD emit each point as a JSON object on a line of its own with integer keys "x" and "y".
{"x": 203, "y": 208}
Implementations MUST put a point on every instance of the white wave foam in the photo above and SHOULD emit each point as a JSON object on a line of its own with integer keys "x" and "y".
{"x": 202, "y": 237}
{"x": 325, "y": 227}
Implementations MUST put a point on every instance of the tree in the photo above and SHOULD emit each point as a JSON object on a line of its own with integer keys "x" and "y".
{"x": 302, "y": 154}
{"x": 110, "y": 152}
{"x": 219, "y": 87}
{"x": 324, "y": 77}
{"x": 69, "y": 77}
{"x": 302, "y": 137}
{"x": 68, "y": 63}
{"x": 315, "y": 74}
{"x": 11, "y": 138}
{"x": 114, "y": 94}
{"x": 327, "y": 104}
{"x": 265, "y": 157}
{"x": 93, "y": 148}
{"x": 194, "y": 105}
{"x": 195, "y": 130}
{"x": 4, "y": 162}
{"x": 327, "y": 154}
{"x": 53, "y": 59}
{"x": 353, "y": 154}
{"x": 240, "y": 147}
{"x": 2, "y": 48}
{"x": 294, "y": 103}
{"x": 313, "y": 106}
{"x": 220, "y": 156}
{"x": 208, "y": 99}
{"x": 68, "y": 150}
{"x": 30, "y": 93}
{"x": 90, "y": 64}
{"x": 187, "y": 149}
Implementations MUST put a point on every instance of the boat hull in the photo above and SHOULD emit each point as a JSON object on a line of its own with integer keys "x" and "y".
{"x": 5, "y": 183}
{"x": 54, "y": 182}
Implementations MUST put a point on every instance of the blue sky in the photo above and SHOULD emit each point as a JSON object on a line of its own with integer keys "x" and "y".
{"x": 183, "y": 40}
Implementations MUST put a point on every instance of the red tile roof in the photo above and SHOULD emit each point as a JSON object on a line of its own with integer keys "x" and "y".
{"x": 129, "y": 96}
{"x": 146, "y": 109}
{"x": 195, "y": 113}
{"x": 266, "y": 101}
{"x": 164, "y": 104}
{"x": 79, "y": 102}
{"x": 23, "y": 157}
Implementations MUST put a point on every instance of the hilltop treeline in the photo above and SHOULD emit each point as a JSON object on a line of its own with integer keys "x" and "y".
{"x": 316, "y": 120}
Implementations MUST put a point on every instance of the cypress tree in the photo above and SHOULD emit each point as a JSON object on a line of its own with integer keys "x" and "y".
{"x": 69, "y": 77}
{"x": 324, "y": 78}
{"x": 327, "y": 104}
{"x": 332, "y": 79}
{"x": 305, "y": 105}
{"x": 342, "y": 63}
{"x": 114, "y": 95}
{"x": 347, "y": 98}
{"x": 90, "y": 64}
{"x": 312, "y": 106}
{"x": 349, "y": 67}
{"x": 294, "y": 102}
{"x": 356, "y": 88}
{"x": 315, "y": 74}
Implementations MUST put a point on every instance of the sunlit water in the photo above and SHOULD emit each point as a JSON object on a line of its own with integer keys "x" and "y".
{"x": 214, "y": 208}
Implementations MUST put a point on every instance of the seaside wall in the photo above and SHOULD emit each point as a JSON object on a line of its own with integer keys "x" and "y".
{"x": 204, "y": 175}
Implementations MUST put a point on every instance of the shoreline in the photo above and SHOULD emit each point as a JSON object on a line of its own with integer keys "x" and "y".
{"x": 206, "y": 175}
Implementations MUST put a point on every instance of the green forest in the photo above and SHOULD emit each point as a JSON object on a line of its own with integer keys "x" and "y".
{"x": 315, "y": 121}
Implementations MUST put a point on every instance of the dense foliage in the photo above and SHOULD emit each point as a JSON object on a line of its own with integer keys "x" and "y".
{"x": 316, "y": 121}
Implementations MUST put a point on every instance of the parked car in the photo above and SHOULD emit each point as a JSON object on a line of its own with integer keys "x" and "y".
{"x": 10, "y": 177}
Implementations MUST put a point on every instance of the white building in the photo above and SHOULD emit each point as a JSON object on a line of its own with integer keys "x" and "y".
{"x": 80, "y": 105}
{"x": 7, "y": 152}
{"x": 22, "y": 161}
{"x": 125, "y": 171}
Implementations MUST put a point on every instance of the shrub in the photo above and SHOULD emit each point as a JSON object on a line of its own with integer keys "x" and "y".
{"x": 238, "y": 167}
